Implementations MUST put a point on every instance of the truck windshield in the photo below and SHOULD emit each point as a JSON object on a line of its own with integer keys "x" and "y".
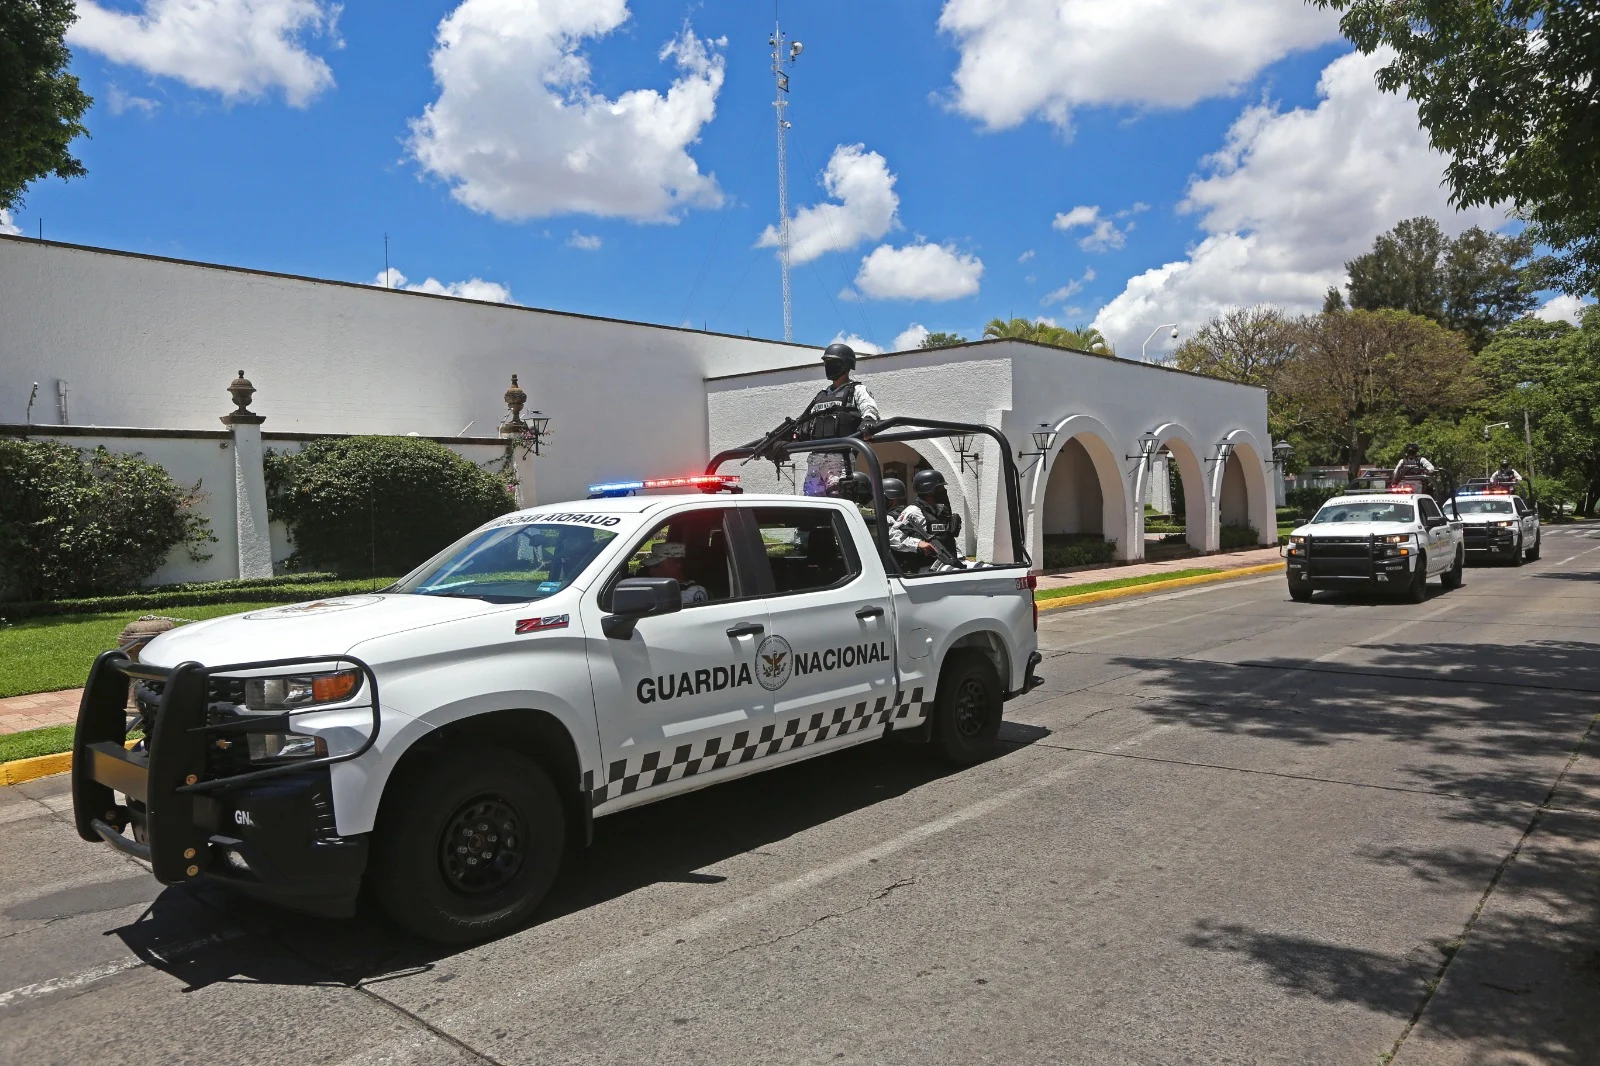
{"x": 1369, "y": 511}
{"x": 1467, "y": 506}
{"x": 510, "y": 564}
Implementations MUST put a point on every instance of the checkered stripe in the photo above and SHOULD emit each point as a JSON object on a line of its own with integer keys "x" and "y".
{"x": 651, "y": 768}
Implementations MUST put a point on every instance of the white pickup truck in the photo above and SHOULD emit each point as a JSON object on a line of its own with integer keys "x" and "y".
{"x": 559, "y": 664}
{"x": 1391, "y": 541}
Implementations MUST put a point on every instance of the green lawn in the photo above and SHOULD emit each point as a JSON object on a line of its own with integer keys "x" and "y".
{"x": 1123, "y": 582}
{"x": 50, "y": 740}
{"x": 55, "y": 652}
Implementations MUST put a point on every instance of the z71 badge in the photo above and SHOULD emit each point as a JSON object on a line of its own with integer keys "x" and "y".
{"x": 539, "y": 625}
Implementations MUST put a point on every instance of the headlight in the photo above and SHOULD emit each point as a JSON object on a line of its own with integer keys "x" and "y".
{"x": 289, "y": 693}
{"x": 1297, "y": 540}
{"x": 1394, "y": 538}
{"x": 1504, "y": 525}
{"x": 275, "y": 747}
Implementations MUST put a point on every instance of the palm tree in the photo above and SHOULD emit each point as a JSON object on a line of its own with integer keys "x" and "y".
{"x": 1083, "y": 339}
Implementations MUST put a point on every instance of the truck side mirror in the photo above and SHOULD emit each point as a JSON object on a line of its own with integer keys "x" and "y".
{"x": 634, "y": 598}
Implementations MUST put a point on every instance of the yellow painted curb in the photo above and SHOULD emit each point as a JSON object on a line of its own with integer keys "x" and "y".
{"x": 19, "y": 770}
{"x": 1055, "y": 603}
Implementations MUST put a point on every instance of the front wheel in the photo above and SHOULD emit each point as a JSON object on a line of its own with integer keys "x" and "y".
{"x": 1516, "y": 553}
{"x": 1300, "y": 592}
{"x": 966, "y": 713}
{"x": 1538, "y": 539}
{"x": 1451, "y": 578}
{"x": 1417, "y": 590}
{"x": 469, "y": 847}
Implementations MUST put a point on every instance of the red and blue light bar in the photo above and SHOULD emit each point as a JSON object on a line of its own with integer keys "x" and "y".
{"x": 703, "y": 482}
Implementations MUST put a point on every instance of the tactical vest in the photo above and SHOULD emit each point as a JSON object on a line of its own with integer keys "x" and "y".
{"x": 833, "y": 414}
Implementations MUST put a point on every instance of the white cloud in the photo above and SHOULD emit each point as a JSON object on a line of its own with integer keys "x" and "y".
{"x": 8, "y": 226}
{"x": 918, "y": 272}
{"x": 861, "y": 181}
{"x": 861, "y": 345}
{"x": 910, "y": 337}
{"x": 239, "y": 48}
{"x": 121, "y": 102}
{"x": 584, "y": 242}
{"x": 1025, "y": 256}
{"x": 519, "y": 132}
{"x": 1069, "y": 290}
{"x": 1021, "y": 58}
{"x": 471, "y": 289}
{"x": 1559, "y": 309}
{"x": 1288, "y": 199}
{"x": 1103, "y": 232}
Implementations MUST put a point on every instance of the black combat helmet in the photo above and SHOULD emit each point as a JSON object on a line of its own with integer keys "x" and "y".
{"x": 838, "y": 359}
{"x": 927, "y": 482}
{"x": 1412, "y": 449}
{"x": 894, "y": 490}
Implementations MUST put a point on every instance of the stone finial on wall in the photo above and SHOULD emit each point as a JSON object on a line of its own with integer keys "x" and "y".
{"x": 242, "y": 391}
{"x": 516, "y": 398}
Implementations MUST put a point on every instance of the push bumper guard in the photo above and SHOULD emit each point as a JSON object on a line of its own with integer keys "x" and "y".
{"x": 1348, "y": 562}
{"x": 268, "y": 832}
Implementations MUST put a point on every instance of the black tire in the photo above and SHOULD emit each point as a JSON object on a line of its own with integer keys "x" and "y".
{"x": 1516, "y": 554}
{"x": 1451, "y": 578}
{"x": 1300, "y": 592}
{"x": 417, "y": 870}
{"x": 967, "y": 710}
{"x": 1538, "y": 542}
{"x": 1417, "y": 590}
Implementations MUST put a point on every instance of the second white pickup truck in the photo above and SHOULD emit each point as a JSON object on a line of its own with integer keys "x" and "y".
{"x": 559, "y": 664}
{"x": 1391, "y": 541}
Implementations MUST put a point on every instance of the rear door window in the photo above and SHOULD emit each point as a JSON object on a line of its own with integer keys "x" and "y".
{"x": 806, "y": 548}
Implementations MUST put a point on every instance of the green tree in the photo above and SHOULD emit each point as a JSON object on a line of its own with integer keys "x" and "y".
{"x": 1475, "y": 283}
{"x": 942, "y": 340}
{"x": 40, "y": 103}
{"x": 1248, "y": 345}
{"x": 1083, "y": 339}
{"x": 1508, "y": 91}
{"x": 1358, "y": 377}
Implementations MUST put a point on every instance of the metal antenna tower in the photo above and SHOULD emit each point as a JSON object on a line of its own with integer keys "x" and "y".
{"x": 784, "y": 53}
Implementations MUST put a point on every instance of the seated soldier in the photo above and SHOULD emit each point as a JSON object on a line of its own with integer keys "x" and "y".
{"x": 666, "y": 559}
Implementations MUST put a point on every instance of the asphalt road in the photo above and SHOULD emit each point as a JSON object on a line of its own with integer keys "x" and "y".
{"x": 1228, "y": 828}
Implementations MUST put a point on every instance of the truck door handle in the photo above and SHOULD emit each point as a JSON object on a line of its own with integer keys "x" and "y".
{"x": 869, "y": 611}
{"x": 747, "y": 629}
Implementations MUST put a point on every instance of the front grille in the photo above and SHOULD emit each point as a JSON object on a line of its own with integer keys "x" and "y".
{"x": 227, "y": 691}
{"x": 1339, "y": 556}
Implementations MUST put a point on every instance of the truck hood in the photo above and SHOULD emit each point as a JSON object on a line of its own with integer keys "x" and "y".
{"x": 1352, "y": 529}
{"x": 317, "y": 627}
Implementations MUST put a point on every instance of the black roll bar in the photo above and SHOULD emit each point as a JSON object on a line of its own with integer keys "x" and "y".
{"x": 904, "y": 428}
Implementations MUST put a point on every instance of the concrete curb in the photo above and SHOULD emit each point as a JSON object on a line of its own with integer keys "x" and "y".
{"x": 1056, "y": 603}
{"x": 17, "y": 771}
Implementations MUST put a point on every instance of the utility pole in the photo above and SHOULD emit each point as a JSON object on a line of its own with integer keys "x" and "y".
{"x": 781, "y": 57}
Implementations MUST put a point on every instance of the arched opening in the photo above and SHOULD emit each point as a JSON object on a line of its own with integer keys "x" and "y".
{"x": 1245, "y": 514}
{"x": 1185, "y": 526}
{"x": 1082, "y": 518}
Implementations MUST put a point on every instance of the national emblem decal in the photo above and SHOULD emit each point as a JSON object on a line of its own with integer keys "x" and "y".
{"x": 774, "y": 662}
{"x": 540, "y": 625}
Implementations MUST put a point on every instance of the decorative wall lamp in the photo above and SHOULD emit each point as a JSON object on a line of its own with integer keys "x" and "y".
{"x": 531, "y": 431}
{"x": 1280, "y": 453}
{"x": 1148, "y": 443}
{"x": 1043, "y": 437}
{"x": 964, "y": 453}
{"x": 1224, "y": 450}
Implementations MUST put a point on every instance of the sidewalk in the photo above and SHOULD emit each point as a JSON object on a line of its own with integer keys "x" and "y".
{"x": 1222, "y": 561}
{"x": 18, "y": 713}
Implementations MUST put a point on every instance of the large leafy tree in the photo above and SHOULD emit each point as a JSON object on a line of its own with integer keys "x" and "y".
{"x": 1249, "y": 345}
{"x": 1509, "y": 91}
{"x": 1475, "y": 283}
{"x": 939, "y": 339}
{"x": 1358, "y": 377}
{"x": 40, "y": 103}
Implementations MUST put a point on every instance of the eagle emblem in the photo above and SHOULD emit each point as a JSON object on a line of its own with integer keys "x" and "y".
{"x": 774, "y": 662}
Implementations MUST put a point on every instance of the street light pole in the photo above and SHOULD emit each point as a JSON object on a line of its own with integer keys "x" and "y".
{"x": 1143, "y": 358}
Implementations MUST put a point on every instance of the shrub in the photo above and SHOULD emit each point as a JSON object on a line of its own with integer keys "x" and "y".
{"x": 233, "y": 592}
{"x": 1076, "y": 549}
{"x": 360, "y": 505}
{"x": 1231, "y": 537}
{"x": 76, "y": 522}
{"x": 1305, "y": 501}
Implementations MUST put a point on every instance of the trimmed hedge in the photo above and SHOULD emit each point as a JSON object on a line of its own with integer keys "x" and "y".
{"x": 1232, "y": 537}
{"x": 1062, "y": 550}
{"x": 75, "y": 522}
{"x": 280, "y": 592}
{"x": 359, "y": 505}
{"x": 240, "y": 584}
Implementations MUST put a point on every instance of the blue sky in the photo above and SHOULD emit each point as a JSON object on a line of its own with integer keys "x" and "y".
{"x": 1157, "y": 159}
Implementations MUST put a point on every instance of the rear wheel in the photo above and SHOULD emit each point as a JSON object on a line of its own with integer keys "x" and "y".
{"x": 469, "y": 847}
{"x": 1417, "y": 590}
{"x": 1451, "y": 578}
{"x": 1538, "y": 540}
{"x": 966, "y": 713}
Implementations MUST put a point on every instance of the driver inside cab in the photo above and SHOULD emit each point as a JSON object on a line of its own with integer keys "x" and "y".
{"x": 666, "y": 559}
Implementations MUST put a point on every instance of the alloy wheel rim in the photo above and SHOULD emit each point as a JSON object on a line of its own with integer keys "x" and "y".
{"x": 972, "y": 707}
{"x": 483, "y": 846}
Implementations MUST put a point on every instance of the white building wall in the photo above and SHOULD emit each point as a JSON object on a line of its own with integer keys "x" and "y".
{"x": 152, "y": 342}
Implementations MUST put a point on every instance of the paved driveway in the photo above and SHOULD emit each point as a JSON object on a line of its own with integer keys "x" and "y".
{"x": 1229, "y": 828}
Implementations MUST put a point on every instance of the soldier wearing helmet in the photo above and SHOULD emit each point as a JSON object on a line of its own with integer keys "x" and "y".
{"x": 842, "y": 409}
{"x": 1412, "y": 465}
{"x": 927, "y": 526}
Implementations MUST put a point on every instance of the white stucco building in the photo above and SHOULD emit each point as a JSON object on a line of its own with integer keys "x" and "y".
{"x": 149, "y": 344}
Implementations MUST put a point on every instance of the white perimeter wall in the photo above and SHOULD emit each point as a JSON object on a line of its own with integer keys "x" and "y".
{"x": 153, "y": 343}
